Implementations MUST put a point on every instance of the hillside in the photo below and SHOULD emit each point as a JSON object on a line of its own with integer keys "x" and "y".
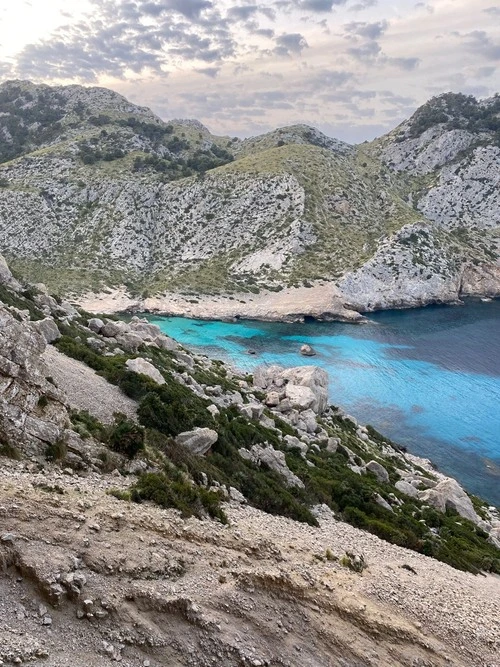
{"x": 97, "y": 193}
{"x": 158, "y": 508}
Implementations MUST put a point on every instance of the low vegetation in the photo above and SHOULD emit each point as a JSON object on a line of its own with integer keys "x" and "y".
{"x": 193, "y": 484}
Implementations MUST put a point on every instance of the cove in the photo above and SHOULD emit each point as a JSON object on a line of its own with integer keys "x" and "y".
{"x": 428, "y": 378}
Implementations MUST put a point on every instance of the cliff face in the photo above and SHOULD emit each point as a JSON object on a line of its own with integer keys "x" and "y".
{"x": 96, "y": 192}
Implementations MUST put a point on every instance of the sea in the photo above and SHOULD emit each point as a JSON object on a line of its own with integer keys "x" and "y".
{"x": 427, "y": 378}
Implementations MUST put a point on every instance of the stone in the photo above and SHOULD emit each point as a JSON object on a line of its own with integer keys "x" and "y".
{"x": 307, "y": 351}
{"x": 378, "y": 470}
{"x": 145, "y": 330}
{"x": 448, "y": 494}
{"x": 274, "y": 459}
{"x": 272, "y": 399}
{"x": 383, "y": 503}
{"x": 406, "y": 488}
{"x": 112, "y": 329}
{"x": 310, "y": 377}
{"x": 236, "y": 495}
{"x": 214, "y": 410}
{"x": 6, "y": 277}
{"x": 48, "y": 329}
{"x": 332, "y": 445}
{"x": 252, "y": 410}
{"x": 96, "y": 344}
{"x": 130, "y": 342}
{"x": 166, "y": 343}
{"x": 291, "y": 442}
{"x": 144, "y": 367}
{"x": 198, "y": 441}
{"x": 95, "y": 324}
{"x": 301, "y": 398}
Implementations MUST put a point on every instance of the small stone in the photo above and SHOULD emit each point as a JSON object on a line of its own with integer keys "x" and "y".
{"x": 47, "y": 621}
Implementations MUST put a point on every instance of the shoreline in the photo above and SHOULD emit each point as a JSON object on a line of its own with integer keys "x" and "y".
{"x": 321, "y": 303}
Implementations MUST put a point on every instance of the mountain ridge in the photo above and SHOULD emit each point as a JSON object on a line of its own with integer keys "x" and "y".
{"x": 113, "y": 197}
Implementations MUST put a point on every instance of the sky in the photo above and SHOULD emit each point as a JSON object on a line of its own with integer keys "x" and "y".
{"x": 353, "y": 68}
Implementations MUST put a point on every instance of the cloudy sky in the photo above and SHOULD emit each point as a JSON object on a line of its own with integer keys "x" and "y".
{"x": 353, "y": 68}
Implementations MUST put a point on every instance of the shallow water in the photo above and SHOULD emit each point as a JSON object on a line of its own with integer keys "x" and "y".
{"x": 427, "y": 378}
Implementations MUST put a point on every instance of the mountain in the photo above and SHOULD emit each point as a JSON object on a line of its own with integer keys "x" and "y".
{"x": 97, "y": 193}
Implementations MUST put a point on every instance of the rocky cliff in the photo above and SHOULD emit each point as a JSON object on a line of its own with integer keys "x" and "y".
{"x": 97, "y": 193}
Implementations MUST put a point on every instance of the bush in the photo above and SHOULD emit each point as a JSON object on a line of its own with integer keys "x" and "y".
{"x": 178, "y": 493}
{"x": 126, "y": 437}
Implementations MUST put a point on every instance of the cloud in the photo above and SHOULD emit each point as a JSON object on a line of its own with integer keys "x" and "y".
{"x": 478, "y": 41}
{"x": 212, "y": 72}
{"x": 406, "y": 64}
{"x": 364, "y": 4}
{"x": 369, "y": 31}
{"x": 493, "y": 11}
{"x": 289, "y": 44}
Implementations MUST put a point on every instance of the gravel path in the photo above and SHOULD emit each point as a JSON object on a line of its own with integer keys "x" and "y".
{"x": 85, "y": 389}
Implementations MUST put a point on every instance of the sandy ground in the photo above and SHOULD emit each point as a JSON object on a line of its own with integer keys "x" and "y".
{"x": 85, "y": 389}
{"x": 322, "y": 302}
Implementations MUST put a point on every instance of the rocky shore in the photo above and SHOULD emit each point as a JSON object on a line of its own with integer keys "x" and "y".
{"x": 141, "y": 538}
{"x": 323, "y": 302}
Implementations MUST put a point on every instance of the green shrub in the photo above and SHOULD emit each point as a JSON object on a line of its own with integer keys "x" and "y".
{"x": 126, "y": 437}
{"x": 179, "y": 494}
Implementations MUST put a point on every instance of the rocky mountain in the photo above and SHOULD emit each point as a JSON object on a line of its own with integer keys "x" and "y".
{"x": 97, "y": 194}
{"x": 159, "y": 508}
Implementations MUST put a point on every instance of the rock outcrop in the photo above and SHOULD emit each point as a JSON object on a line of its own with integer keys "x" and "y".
{"x": 300, "y": 388}
{"x": 199, "y": 441}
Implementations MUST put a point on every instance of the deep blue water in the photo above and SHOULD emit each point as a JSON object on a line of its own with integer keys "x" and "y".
{"x": 427, "y": 378}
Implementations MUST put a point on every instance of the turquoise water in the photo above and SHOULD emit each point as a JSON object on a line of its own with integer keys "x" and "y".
{"x": 428, "y": 378}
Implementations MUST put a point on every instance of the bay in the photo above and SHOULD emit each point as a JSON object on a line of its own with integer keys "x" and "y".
{"x": 427, "y": 378}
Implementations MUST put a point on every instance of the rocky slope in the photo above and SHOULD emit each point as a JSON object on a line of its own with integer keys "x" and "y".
{"x": 207, "y": 525}
{"x": 97, "y": 193}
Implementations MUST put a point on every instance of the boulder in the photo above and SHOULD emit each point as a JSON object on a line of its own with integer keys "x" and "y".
{"x": 166, "y": 343}
{"x": 130, "y": 342}
{"x": 274, "y": 459}
{"x": 333, "y": 445}
{"x": 96, "y": 343}
{"x": 143, "y": 367}
{"x": 146, "y": 331}
{"x": 112, "y": 329}
{"x": 307, "y": 351}
{"x": 301, "y": 398}
{"x": 291, "y": 442}
{"x": 313, "y": 378}
{"x": 252, "y": 410}
{"x": 6, "y": 277}
{"x": 448, "y": 494}
{"x": 48, "y": 329}
{"x": 406, "y": 488}
{"x": 95, "y": 324}
{"x": 378, "y": 470}
{"x": 272, "y": 399}
{"x": 197, "y": 441}
{"x": 383, "y": 503}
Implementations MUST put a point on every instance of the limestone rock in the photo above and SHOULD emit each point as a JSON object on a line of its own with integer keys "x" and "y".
{"x": 6, "y": 277}
{"x": 95, "y": 324}
{"x": 274, "y": 459}
{"x": 144, "y": 367}
{"x": 407, "y": 488}
{"x": 48, "y": 328}
{"x": 307, "y": 351}
{"x": 198, "y": 441}
{"x": 130, "y": 342}
{"x": 378, "y": 470}
{"x": 448, "y": 494}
